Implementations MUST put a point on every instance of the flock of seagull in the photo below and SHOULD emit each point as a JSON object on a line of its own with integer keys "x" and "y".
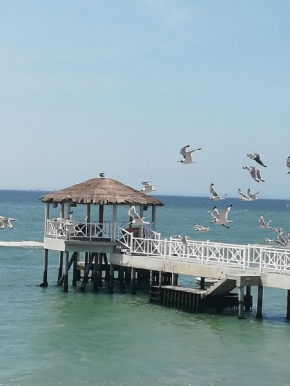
{"x": 221, "y": 217}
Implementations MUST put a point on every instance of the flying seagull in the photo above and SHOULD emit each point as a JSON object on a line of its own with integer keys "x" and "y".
{"x": 187, "y": 155}
{"x": 200, "y": 228}
{"x": 221, "y": 218}
{"x": 256, "y": 157}
{"x": 288, "y": 164}
{"x": 243, "y": 197}
{"x": 263, "y": 223}
{"x": 136, "y": 219}
{"x": 215, "y": 196}
{"x": 252, "y": 196}
{"x": 255, "y": 173}
{"x": 6, "y": 221}
{"x": 148, "y": 188}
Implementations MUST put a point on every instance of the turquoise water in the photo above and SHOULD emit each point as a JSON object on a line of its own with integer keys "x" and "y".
{"x": 52, "y": 338}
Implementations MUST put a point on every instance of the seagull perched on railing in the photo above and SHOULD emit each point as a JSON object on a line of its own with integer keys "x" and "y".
{"x": 256, "y": 157}
{"x": 136, "y": 219}
{"x": 215, "y": 196}
{"x": 221, "y": 218}
{"x": 263, "y": 223}
{"x": 6, "y": 221}
{"x": 187, "y": 155}
{"x": 200, "y": 228}
{"x": 255, "y": 173}
{"x": 148, "y": 188}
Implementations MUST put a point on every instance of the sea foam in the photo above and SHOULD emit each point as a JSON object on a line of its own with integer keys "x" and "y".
{"x": 23, "y": 244}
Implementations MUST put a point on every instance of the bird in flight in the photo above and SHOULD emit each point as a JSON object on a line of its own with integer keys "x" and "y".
{"x": 255, "y": 173}
{"x": 215, "y": 196}
{"x": 136, "y": 219}
{"x": 252, "y": 197}
{"x": 263, "y": 223}
{"x": 243, "y": 197}
{"x": 256, "y": 157}
{"x": 6, "y": 221}
{"x": 200, "y": 228}
{"x": 187, "y": 155}
{"x": 288, "y": 164}
{"x": 222, "y": 217}
{"x": 148, "y": 188}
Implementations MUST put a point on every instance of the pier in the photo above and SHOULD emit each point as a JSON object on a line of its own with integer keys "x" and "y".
{"x": 115, "y": 252}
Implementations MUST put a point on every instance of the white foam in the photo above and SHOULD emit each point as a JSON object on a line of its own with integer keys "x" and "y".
{"x": 23, "y": 244}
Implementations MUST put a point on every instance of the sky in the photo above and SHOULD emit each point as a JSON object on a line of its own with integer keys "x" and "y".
{"x": 121, "y": 86}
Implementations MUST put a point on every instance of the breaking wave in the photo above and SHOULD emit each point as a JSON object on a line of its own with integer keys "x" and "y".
{"x": 22, "y": 244}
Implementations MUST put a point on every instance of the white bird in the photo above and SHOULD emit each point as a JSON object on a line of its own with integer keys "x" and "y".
{"x": 6, "y": 221}
{"x": 221, "y": 218}
{"x": 256, "y": 157}
{"x": 200, "y": 228}
{"x": 187, "y": 155}
{"x": 255, "y": 173}
{"x": 243, "y": 197}
{"x": 263, "y": 223}
{"x": 136, "y": 219}
{"x": 148, "y": 188}
{"x": 215, "y": 196}
{"x": 280, "y": 239}
{"x": 269, "y": 241}
{"x": 288, "y": 164}
{"x": 251, "y": 196}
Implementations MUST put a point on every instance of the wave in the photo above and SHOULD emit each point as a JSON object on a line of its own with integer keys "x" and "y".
{"x": 23, "y": 244}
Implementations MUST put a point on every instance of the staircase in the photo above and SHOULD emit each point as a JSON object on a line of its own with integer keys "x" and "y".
{"x": 221, "y": 288}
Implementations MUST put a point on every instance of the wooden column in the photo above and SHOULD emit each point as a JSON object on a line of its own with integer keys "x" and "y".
{"x": 46, "y": 217}
{"x": 202, "y": 285}
{"x": 60, "y": 266}
{"x": 259, "y": 314}
{"x": 175, "y": 279}
{"x": 45, "y": 269}
{"x": 288, "y": 305}
{"x": 114, "y": 220}
{"x": 154, "y": 217}
{"x": 111, "y": 279}
{"x": 241, "y": 308}
{"x": 75, "y": 268}
{"x": 121, "y": 278}
{"x": 65, "y": 278}
{"x": 248, "y": 298}
{"x": 96, "y": 272}
{"x": 133, "y": 281}
{"x": 86, "y": 273}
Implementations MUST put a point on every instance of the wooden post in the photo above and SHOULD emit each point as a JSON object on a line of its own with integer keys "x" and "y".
{"x": 288, "y": 305}
{"x": 114, "y": 223}
{"x": 96, "y": 272}
{"x": 60, "y": 266}
{"x": 241, "y": 308}
{"x": 259, "y": 314}
{"x": 248, "y": 298}
{"x": 111, "y": 279}
{"x": 121, "y": 278}
{"x": 101, "y": 218}
{"x": 154, "y": 217}
{"x": 45, "y": 269}
{"x": 86, "y": 273}
{"x": 65, "y": 280}
{"x": 133, "y": 281}
{"x": 100, "y": 269}
{"x": 202, "y": 283}
{"x": 75, "y": 268}
{"x": 175, "y": 279}
{"x": 46, "y": 217}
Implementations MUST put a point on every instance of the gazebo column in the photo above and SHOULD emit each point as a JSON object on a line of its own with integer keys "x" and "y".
{"x": 141, "y": 228}
{"x": 153, "y": 217}
{"x": 46, "y": 217}
{"x": 114, "y": 221}
{"x": 88, "y": 219}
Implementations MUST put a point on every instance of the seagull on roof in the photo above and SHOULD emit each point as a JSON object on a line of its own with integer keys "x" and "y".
{"x": 222, "y": 217}
{"x": 215, "y": 196}
{"x": 288, "y": 164}
{"x": 255, "y": 173}
{"x": 243, "y": 197}
{"x": 256, "y": 157}
{"x": 263, "y": 223}
{"x": 148, "y": 188}
{"x": 187, "y": 155}
{"x": 6, "y": 221}
{"x": 136, "y": 219}
{"x": 200, "y": 228}
{"x": 252, "y": 196}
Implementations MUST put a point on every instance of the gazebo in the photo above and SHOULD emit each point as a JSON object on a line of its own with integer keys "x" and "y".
{"x": 92, "y": 236}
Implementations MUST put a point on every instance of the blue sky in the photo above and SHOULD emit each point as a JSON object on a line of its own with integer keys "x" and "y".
{"x": 120, "y": 86}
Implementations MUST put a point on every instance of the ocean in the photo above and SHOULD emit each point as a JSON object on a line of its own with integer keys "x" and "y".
{"x": 49, "y": 337}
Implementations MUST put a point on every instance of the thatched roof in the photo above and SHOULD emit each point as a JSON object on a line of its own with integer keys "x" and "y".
{"x": 101, "y": 190}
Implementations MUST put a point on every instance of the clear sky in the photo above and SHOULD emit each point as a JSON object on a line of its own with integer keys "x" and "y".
{"x": 120, "y": 86}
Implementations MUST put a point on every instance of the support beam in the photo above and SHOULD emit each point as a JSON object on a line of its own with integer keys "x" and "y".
{"x": 154, "y": 217}
{"x": 60, "y": 266}
{"x": 121, "y": 278}
{"x": 111, "y": 279}
{"x": 288, "y": 305}
{"x": 175, "y": 279}
{"x": 248, "y": 298}
{"x": 133, "y": 281}
{"x": 86, "y": 273}
{"x": 61, "y": 280}
{"x": 75, "y": 258}
{"x": 45, "y": 269}
{"x": 96, "y": 272}
{"x": 259, "y": 314}
{"x": 241, "y": 308}
{"x": 202, "y": 283}
{"x": 65, "y": 275}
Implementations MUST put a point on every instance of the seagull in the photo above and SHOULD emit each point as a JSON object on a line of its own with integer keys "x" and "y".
{"x": 136, "y": 219}
{"x": 243, "y": 197}
{"x": 200, "y": 228}
{"x": 255, "y": 173}
{"x": 288, "y": 164}
{"x": 251, "y": 196}
{"x": 221, "y": 218}
{"x": 280, "y": 239}
{"x": 187, "y": 155}
{"x": 148, "y": 188}
{"x": 269, "y": 241}
{"x": 263, "y": 223}
{"x": 6, "y": 221}
{"x": 215, "y": 196}
{"x": 256, "y": 157}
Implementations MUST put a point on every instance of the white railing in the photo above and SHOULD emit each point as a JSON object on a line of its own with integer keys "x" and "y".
{"x": 244, "y": 257}
{"x": 65, "y": 229}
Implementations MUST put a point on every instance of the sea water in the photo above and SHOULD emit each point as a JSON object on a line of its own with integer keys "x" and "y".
{"x": 48, "y": 337}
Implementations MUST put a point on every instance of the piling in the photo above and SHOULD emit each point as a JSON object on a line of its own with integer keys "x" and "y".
{"x": 259, "y": 314}
{"x": 241, "y": 308}
{"x": 45, "y": 269}
{"x": 288, "y": 305}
